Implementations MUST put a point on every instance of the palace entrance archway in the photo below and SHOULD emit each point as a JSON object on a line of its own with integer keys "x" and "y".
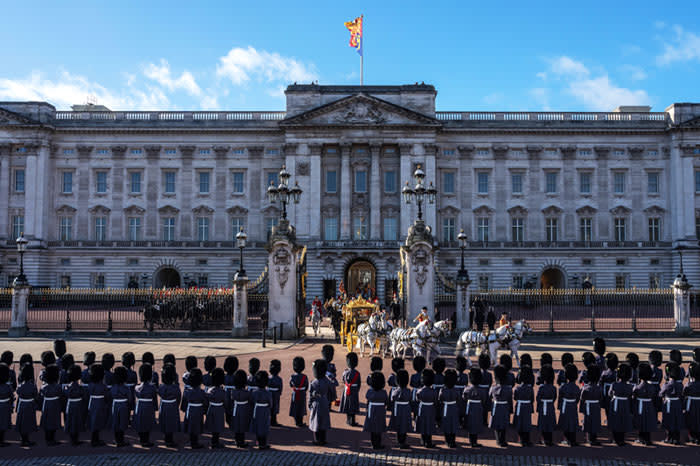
{"x": 167, "y": 277}
{"x": 361, "y": 277}
{"x": 552, "y": 278}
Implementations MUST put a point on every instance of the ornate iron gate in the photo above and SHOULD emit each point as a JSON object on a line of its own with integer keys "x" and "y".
{"x": 445, "y": 297}
{"x": 258, "y": 303}
{"x": 301, "y": 293}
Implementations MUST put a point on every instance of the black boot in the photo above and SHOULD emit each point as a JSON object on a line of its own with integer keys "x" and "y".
{"x": 572, "y": 439}
{"x": 194, "y": 442}
{"x": 240, "y": 440}
{"x": 3, "y": 443}
{"x": 26, "y": 442}
{"x": 95, "y": 440}
{"x": 619, "y": 438}
{"x": 262, "y": 443}
{"x": 299, "y": 421}
{"x": 353, "y": 423}
{"x": 593, "y": 440}
{"x": 145, "y": 439}
{"x": 317, "y": 438}
{"x": 169, "y": 442}
{"x": 323, "y": 437}
{"x": 50, "y": 436}
{"x": 119, "y": 438}
{"x": 474, "y": 441}
{"x": 501, "y": 438}
{"x": 677, "y": 437}
{"x": 525, "y": 439}
{"x": 401, "y": 438}
{"x": 215, "y": 440}
{"x": 273, "y": 420}
{"x": 647, "y": 438}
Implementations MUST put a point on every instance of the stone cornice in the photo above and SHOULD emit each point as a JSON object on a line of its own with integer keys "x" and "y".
{"x": 255, "y": 151}
{"x": 221, "y": 150}
{"x": 186, "y": 150}
{"x": 152, "y": 151}
{"x": 500, "y": 151}
{"x": 568, "y": 152}
{"x": 601, "y": 151}
{"x": 466, "y": 151}
{"x": 118, "y": 151}
{"x": 84, "y": 151}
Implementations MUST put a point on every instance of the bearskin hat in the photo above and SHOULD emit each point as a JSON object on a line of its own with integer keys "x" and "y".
{"x": 673, "y": 371}
{"x": 231, "y": 364}
{"x": 148, "y": 358}
{"x": 120, "y": 375}
{"x": 588, "y": 358}
{"x": 376, "y": 380}
{"x": 396, "y": 365}
{"x": 169, "y": 359}
{"x": 645, "y": 372}
{"x": 676, "y": 356}
{"x": 261, "y": 379}
{"x": 461, "y": 363}
{"x": 694, "y": 370}
{"x": 145, "y": 373}
{"x": 327, "y": 351}
{"x": 484, "y": 360}
{"x": 48, "y": 358}
{"x": 320, "y": 366}
{"x": 108, "y": 361}
{"x": 240, "y": 379}
{"x": 4, "y": 373}
{"x": 655, "y": 358}
{"x": 633, "y": 360}
{"x": 253, "y": 366}
{"x": 89, "y": 358}
{"x": 439, "y": 365}
{"x": 450, "y": 378}
{"x": 376, "y": 363}
{"x": 351, "y": 360}
{"x": 474, "y": 376}
{"x": 506, "y": 361}
{"x": 68, "y": 361}
{"x": 427, "y": 377}
{"x": 275, "y": 367}
{"x": 195, "y": 377}
{"x": 567, "y": 358}
{"x": 74, "y": 373}
{"x": 696, "y": 355}
{"x": 624, "y": 372}
{"x": 546, "y": 358}
{"x": 25, "y": 359}
{"x": 7, "y": 357}
{"x": 97, "y": 373}
{"x": 52, "y": 374}
{"x": 59, "y": 347}
{"x": 593, "y": 374}
{"x": 418, "y": 363}
{"x": 611, "y": 361}
{"x": 190, "y": 362}
{"x": 128, "y": 359}
{"x": 547, "y": 374}
{"x": 168, "y": 374}
{"x": 26, "y": 373}
{"x": 571, "y": 373}
{"x": 526, "y": 360}
{"x": 217, "y": 376}
{"x": 500, "y": 374}
{"x": 298, "y": 364}
{"x": 599, "y": 345}
{"x": 210, "y": 363}
{"x": 402, "y": 378}
{"x": 525, "y": 375}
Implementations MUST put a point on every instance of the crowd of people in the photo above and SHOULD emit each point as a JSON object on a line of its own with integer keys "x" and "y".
{"x": 99, "y": 395}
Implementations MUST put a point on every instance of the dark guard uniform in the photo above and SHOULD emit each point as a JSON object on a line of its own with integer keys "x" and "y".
{"x": 194, "y": 405}
{"x": 415, "y": 381}
{"x": 27, "y": 395}
{"x": 569, "y": 395}
{"x": 546, "y": 399}
{"x": 400, "y": 420}
{"x": 7, "y": 398}
{"x": 261, "y": 400}
{"x": 448, "y": 398}
{"x": 146, "y": 399}
{"x": 644, "y": 407}
{"x": 524, "y": 398}
{"x": 377, "y": 401}
{"x": 216, "y": 409}
{"x": 51, "y": 403}
{"x": 230, "y": 367}
{"x": 473, "y": 412}
{"x": 591, "y": 399}
{"x": 121, "y": 404}
{"x": 319, "y": 402}
{"x": 275, "y": 389}
{"x": 485, "y": 385}
{"x": 300, "y": 385}
{"x": 99, "y": 403}
{"x": 350, "y": 400}
{"x": 169, "y": 410}
{"x": 240, "y": 408}
{"x": 691, "y": 404}
{"x": 426, "y": 398}
{"x": 672, "y": 398}
{"x": 502, "y": 404}
{"x": 620, "y": 394}
{"x": 76, "y": 397}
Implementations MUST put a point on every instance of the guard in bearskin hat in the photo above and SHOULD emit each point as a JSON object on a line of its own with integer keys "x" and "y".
{"x": 569, "y": 395}
{"x": 591, "y": 400}
{"x": 400, "y": 421}
{"x": 349, "y": 400}
{"x": 319, "y": 402}
{"x": 300, "y": 385}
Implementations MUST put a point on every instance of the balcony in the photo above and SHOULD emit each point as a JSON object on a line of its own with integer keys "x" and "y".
{"x": 559, "y": 244}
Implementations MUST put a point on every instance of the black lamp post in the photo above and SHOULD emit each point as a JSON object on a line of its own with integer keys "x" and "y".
{"x": 462, "y": 237}
{"x": 21, "y": 247}
{"x": 419, "y": 193}
{"x": 283, "y": 192}
{"x": 241, "y": 238}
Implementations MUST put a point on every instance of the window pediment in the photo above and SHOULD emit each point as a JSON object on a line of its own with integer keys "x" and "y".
{"x": 620, "y": 211}
{"x": 330, "y": 211}
{"x": 552, "y": 211}
{"x": 202, "y": 210}
{"x": 449, "y": 211}
{"x": 517, "y": 211}
{"x": 237, "y": 210}
{"x": 168, "y": 210}
{"x": 270, "y": 211}
{"x": 483, "y": 211}
{"x": 66, "y": 210}
{"x": 654, "y": 210}
{"x": 586, "y": 211}
{"x": 134, "y": 210}
{"x": 99, "y": 209}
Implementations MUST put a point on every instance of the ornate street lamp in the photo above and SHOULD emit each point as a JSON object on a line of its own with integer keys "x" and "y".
{"x": 419, "y": 193}
{"x": 241, "y": 238}
{"x": 463, "y": 275}
{"x": 21, "y": 247}
{"x": 283, "y": 192}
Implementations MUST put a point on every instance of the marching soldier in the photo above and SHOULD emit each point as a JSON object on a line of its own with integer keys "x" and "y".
{"x": 320, "y": 393}
{"x": 275, "y": 388}
{"x": 261, "y": 400}
{"x": 253, "y": 368}
{"x": 146, "y": 398}
{"x": 240, "y": 408}
{"x": 426, "y": 398}
{"x": 569, "y": 395}
{"x": 524, "y": 397}
{"x": 591, "y": 400}
{"x": 620, "y": 394}
{"x": 349, "y": 400}
{"x": 377, "y": 401}
{"x": 546, "y": 397}
{"x": 502, "y": 401}
{"x": 672, "y": 397}
{"x": 51, "y": 402}
{"x": 99, "y": 403}
{"x": 400, "y": 421}
{"x": 194, "y": 405}
{"x": 473, "y": 400}
{"x": 25, "y": 422}
{"x": 122, "y": 401}
{"x": 170, "y": 397}
{"x": 216, "y": 410}
{"x": 644, "y": 395}
{"x": 300, "y": 384}
{"x": 449, "y": 415}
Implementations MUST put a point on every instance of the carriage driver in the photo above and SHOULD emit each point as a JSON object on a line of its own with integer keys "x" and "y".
{"x": 422, "y": 316}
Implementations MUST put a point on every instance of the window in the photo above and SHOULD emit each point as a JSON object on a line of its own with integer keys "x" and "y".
{"x": 654, "y": 281}
{"x": 202, "y": 229}
{"x": 586, "y": 229}
{"x": 65, "y": 228}
{"x": 653, "y": 183}
{"x": 238, "y": 182}
{"x": 621, "y": 281}
{"x": 697, "y": 181}
{"x": 448, "y": 229}
{"x": 620, "y": 229}
{"x": 390, "y": 181}
{"x": 65, "y": 261}
{"x": 99, "y": 262}
{"x": 134, "y": 228}
{"x": 17, "y": 226}
{"x": 101, "y": 182}
{"x": 391, "y": 229}
{"x": 270, "y": 223}
{"x": 203, "y": 280}
{"x": 653, "y": 153}
{"x": 482, "y": 152}
{"x": 551, "y": 183}
{"x": 330, "y": 228}
{"x": 654, "y": 262}
{"x": 482, "y": 230}
{"x": 448, "y": 182}
{"x": 272, "y": 178}
{"x": 518, "y": 229}
{"x": 67, "y": 186}
{"x": 360, "y": 181}
{"x": 272, "y": 151}
{"x": 654, "y": 229}
{"x": 136, "y": 151}
{"x": 621, "y": 262}
{"x": 584, "y": 152}
{"x": 518, "y": 281}
{"x": 135, "y": 182}
{"x": 585, "y": 183}
{"x": 483, "y": 262}
{"x": 131, "y": 261}
{"x": 170, "y": 151}
{"x": 169, "y": 182}
{"x": 331, "y": 181}
{"x": 99, "y": 281}
{"x": 102, "y": 151}
{"x": 239, "y": 151}
{"x": 483, "y": 282}
{"x": 448, "y": 152}
{"x": 483, "y": 183}
{"x": 516, "y": 183}
{"x": 618, "y": 152}
{"x": 19, "y": 181}
{"x": 204, "y": 151}
{"x": 100, "y": 228}
{"x": 236, "y": 224}
{"x": 21, "y": 150}
{"x": 169, "y": 229}
{"x": 552, "y": 229}
{"x": 619, "y": 182}
{"x": 203, "y": 182}
{"x": 68, "y": 151}
{"x": 65, "y": 281}
{"x": 586, "y": 261}
{"x": 359, "y": 228}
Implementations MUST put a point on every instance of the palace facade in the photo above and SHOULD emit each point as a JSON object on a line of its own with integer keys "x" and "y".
{"x": 546, "y": 198}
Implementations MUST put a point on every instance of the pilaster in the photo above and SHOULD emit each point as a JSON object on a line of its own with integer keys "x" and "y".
{"x": 375, "y": 194}
{"x": 240, "y": 306}
{"x": 345, "y": 191}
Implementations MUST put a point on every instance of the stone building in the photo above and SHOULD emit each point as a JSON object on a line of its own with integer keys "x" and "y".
{"x": 546, "y": 198}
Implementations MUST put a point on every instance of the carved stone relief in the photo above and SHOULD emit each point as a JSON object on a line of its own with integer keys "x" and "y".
{"x": 281, "y": 261}
{"x": 361, "y": 112}
{"x": 302, "y": 168}
{"x": 420, "y": 261}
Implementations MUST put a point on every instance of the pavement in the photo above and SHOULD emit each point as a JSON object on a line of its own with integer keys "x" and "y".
{"x": 347, "y": 445}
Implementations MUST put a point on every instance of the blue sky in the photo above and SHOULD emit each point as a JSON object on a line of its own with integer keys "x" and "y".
{"x": 240, "y": 55}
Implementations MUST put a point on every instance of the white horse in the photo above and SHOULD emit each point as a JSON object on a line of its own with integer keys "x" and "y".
{"x": 315, "y": 319}
{"x": 426, "y": 338}
{"x": 508, "y": 337}
{"x": 470, "y": 343}
{"x": 368, "y": 332}
{"x": 400, "y": 340}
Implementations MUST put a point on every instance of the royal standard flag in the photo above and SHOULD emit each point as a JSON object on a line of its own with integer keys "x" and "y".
{"x": 355, "y": 28}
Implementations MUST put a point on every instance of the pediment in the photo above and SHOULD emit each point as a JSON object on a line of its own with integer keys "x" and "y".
{"x": 692, "y": 123}
{"x": 552, "y": 211}
{"x": 99, "y": 209}
{"x": 360, "y": 110}
{"x": 8, "y": 118}
{"x": 517, "y": 211}
{"x": 654, "y": 210}
{"x": 66, "y": 210}
{"x": 237, "y": 210}
{"x": 168, "y": 210}
{"x": 203, "y": 210}
{"x": 134, "y": 210}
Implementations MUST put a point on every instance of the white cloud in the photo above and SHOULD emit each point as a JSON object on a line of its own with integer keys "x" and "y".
{"x": 241, "y": 65}
{"x": 161, "y": 74}
{"x": 634, "y": 72}
{"x": 595, "y": 91}
{"x": 683, "y": 46}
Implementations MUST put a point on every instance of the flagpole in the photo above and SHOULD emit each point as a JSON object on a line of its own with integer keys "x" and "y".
{"x": 362, "y": 55}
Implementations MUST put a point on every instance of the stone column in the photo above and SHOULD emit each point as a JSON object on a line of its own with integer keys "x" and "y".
{"x": 418, "y": 256}
{"x": 345, "y": 191}
{"x": 240, "y": 306}
{"x": 463, "y": 299}
{"x": 7, "y": 180}
{"x": 315, "y": 192}
{"x": 408, "y": 212}
{"x": 20, "y": 304}
{"x": 681, "y": 303}
{"x": 282, "y": 264}
{"x": 375, "y": 196}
